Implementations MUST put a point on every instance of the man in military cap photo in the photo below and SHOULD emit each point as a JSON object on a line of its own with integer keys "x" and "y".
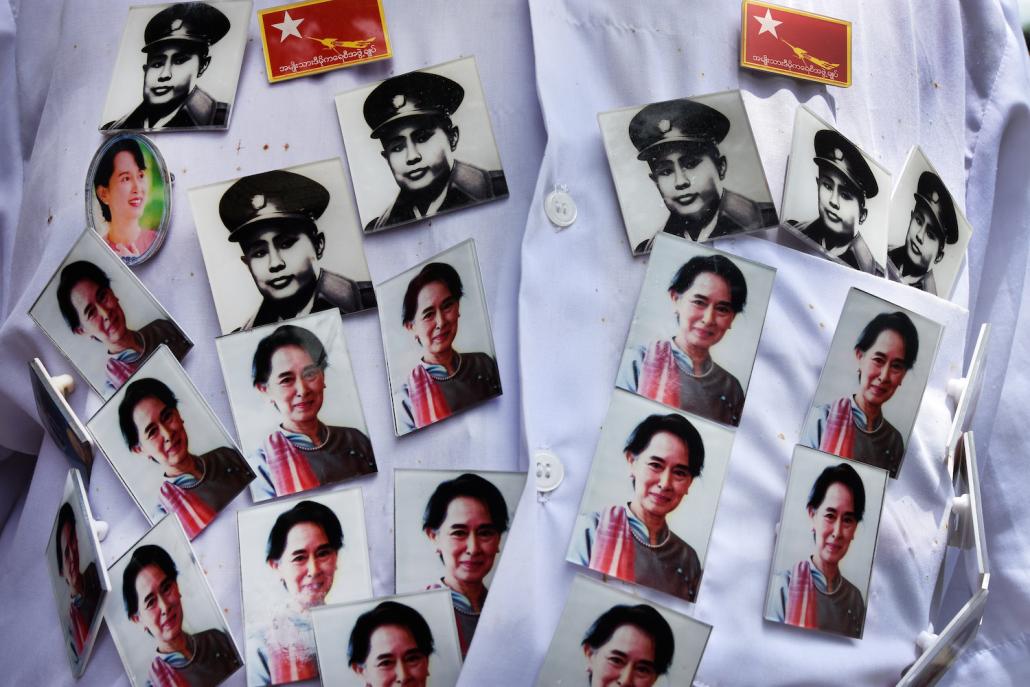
{"x": 679, "y": 140}
{"x": 410, "y": 114}
{"x": 272, "y": 216}
{"x": 176, "y": 43}
{"x": 933, "y": 224}
{"x": 845, "y": 182}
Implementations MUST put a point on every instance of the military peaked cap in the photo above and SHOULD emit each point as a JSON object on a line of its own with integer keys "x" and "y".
{"x": 411, "y": 95}
{"x": 659, "y": 125}
{"x": 271, "y": 196}
{"x": 193, "y": 22}
{"x": 833, "y": 150}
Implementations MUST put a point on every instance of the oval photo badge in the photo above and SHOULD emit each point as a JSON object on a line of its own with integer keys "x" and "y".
{"x": 128, "y": 197}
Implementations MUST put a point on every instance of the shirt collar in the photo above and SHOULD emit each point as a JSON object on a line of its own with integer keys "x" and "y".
{"x": 860, "y": 418}
{"x": 186, "y": 480}
{"x": 819, "y": 580}
{"x": 299, "y": 440}
{"x": 433, "y": 207}
{"x": 126, "y": 356}
{"x": 639, "y": 528}
{"x": 841, "y": 250}
{"x": 176, "y": 659}
{"x": 684, "y": 361}
{"x": 706, "y": 233}
{"x": 163, "y": 121}
{"x": 439, "y": 371}
{"x": 461, "y": 602}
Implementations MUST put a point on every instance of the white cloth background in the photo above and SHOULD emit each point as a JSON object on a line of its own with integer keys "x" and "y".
{"x": 952, "y": 77}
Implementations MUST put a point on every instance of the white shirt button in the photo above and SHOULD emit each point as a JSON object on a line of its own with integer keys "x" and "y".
{"x": 548, "y": 470}
{"x": 559, "y": 207}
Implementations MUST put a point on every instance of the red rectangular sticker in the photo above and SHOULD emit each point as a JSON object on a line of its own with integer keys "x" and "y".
{"x": 799, "y": 44}
{"x": 318, "y": 35}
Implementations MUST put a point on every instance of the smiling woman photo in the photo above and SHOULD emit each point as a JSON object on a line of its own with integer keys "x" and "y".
{"x": 121, "y": 185}
{"x": 706, "y": 294}
{"x": 83, "y": 584}
{"x": 302, "y": 452}
{"x": 464, "y": 520}
{"x": 813, "y": 593}
{"x": 195, "y": 487}
{"x": 303, "y": 551}
{"x": 632, "y": 541}
{"x": 92, "y": 309}
{"x": 854, "y": 426}
{"x": 445, "y": 381}
{"x": 628, "y": 646}
{"x": 391, "y": 645}
{"x": 154, "y": 603}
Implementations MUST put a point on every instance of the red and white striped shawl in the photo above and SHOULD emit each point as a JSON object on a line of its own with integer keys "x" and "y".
{"x": 612, "y": 552}
{"x": 193, "y": 512}
{"x": 427, "y": 402}
{"x": 287, "y": 466}
{"x": 659, "y": 376}
{"x": 802, "y": 598}
{"x": 839, "y": 433}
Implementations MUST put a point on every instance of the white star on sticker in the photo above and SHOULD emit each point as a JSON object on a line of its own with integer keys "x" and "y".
{"x": 288, "y": 27}
{"x": 768, "y": 23}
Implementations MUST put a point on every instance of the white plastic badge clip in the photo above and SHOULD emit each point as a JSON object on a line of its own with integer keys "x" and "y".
{"x": 940, "y": 650}
{"x": 101, "y": 528}
{"x": 65, "y": 384}
{"x": 965, "y": 393}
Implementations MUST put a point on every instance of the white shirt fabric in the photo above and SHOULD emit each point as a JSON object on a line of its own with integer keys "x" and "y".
{"x": 952, "y": 78}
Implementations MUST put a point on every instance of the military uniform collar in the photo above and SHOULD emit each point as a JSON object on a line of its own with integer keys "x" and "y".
{"x": 196, "y": 110}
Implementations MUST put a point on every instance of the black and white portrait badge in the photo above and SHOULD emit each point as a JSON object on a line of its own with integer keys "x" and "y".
{"x": 836, "y": 198}
{"x": 165, "y": 621}
{"x": 77, "y": 573}
{"x": 688, "y": 167}
{"x": 102, "y": 318}
{"x": 437, "y": 339}
{"x": 297, "y": 555}
{"x": 420, "y": 144}
{"x": 928, "y": 232}
{"x": 695, "y": 333}
{"x": 168, "y": 448}
{"x": 177, "y": 67}
{"x": 872, "y": 384}
{"x": 607, "y": 637}
{"x": 823, "y": 562}
{"x": 450, "y": 527}
{"x": 129, "y": 196}
{"x": 647, "y": 511}
{"x": 392, "y": 640}
{"x": 282, "y": 244}
{"x": 296, "y": 405}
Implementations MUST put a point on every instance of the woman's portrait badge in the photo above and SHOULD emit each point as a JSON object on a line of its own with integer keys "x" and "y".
{"x": 822, "y": 565}
{"x": 648, "y": 509}
{"x": 607, "y": 636}
{"x": 168, "y": 447}
{"x": 437, "y": 338}
{"x": 295, "y": 402}
{"x": 129, "y": 197}
{"x": 298, "y": 555}
{"x": 695, "y": 333}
